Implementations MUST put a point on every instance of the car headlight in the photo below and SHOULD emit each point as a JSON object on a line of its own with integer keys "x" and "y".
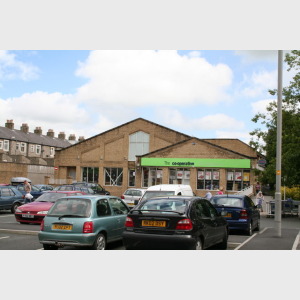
{"x": 18, "y": 210}
{"x": 44, "y": 212}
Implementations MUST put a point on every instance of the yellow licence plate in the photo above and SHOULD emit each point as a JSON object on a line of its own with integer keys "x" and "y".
{"x": 154, "y": 223}
{"x": 228, "y": 215}
{"x": 62, "y": 227}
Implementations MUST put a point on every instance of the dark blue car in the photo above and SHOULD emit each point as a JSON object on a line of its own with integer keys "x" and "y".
{"x": 239, "y": 211}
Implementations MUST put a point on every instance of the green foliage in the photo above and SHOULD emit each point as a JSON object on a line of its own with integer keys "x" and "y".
{"x": 293, "y": 193}
{"x": 265, "y": 141}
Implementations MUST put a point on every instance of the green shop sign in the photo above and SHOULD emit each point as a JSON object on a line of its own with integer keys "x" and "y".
{"x": 195, "y": 162}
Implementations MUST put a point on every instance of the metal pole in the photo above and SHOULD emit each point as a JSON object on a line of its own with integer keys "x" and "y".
{"x": 278, "y": 202}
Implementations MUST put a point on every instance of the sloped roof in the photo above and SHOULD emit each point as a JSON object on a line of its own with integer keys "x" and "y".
{"x": 33, "y": 138}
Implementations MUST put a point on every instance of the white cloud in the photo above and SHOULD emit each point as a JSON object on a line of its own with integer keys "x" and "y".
{"x": 241, "y": 135}
{"x": 49, "y": 111}
{"x": 260, "y": 106}
{"x": 12, "y": 68}
{"x": 140, "y": 78}
{"x": 175, "y": 119}
{"x": 259, "y": 83}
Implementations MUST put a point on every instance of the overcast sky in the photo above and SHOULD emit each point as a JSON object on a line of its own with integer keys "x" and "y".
{"x": 206, "y": 94}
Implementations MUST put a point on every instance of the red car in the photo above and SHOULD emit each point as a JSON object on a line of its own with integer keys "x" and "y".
{"x": 35, "y": 212}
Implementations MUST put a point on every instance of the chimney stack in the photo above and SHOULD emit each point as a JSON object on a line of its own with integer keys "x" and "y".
{"x": 62, "y": 136}
{"x": 81, "y": 138}
{"x": 72, "y": 137}
{"x": 10, "y": 124}
{"x": 50, "y": 133}
{"x": 38, "y": 130}
{"x": 25, "y": 128}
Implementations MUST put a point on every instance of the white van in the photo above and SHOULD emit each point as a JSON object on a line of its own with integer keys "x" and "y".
{"x": 167, "y": 190}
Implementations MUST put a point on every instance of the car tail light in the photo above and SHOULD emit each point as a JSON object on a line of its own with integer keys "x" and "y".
{"x": 122, "y": 197}
{"x": 185, "y": 224}
{"x": 42, "y": 225}
{"x": 88, "y": 227}
{"x": 128, "y": 222}
{"x": 243, "y": 214}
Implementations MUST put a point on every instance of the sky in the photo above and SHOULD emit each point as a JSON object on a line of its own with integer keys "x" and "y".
{"x": 202, "y": 93}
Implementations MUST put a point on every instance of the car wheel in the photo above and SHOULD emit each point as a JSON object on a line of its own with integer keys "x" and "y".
{"x": 258, "y": 225}
{"x": 199, "y": 244}
{"x": 100, "y": 242}
{"x": 49, "y": 247}
{"x": 250, "y": 231}
{"x": 14, "y": 207}
{"x": 223, "y": 244}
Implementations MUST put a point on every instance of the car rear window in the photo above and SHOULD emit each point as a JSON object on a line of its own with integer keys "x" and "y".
{"x": 67, "y": 206}
{"x": 227, "y": 201}
{"x": 164, "y": 205}
{"x": 152, "y": 194}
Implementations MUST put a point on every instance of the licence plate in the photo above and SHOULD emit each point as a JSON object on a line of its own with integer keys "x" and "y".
{"x": 62, "y": 227}
{"x": 226, "y": 214}
{"x": 28, "y": 216}
{"x": 154, "y": 223}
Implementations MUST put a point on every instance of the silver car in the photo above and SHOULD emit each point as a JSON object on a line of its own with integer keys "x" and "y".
{"x": 132, "y": 196}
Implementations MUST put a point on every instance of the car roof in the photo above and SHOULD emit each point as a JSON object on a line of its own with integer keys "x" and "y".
{"x": 61, "y": 192}
{"x": 186, "y": 198}
{"x": 91, "y": 197}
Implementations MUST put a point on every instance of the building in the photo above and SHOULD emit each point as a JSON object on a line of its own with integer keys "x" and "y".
{"x": 141, "y": 153}
{"x": 29, "y": 154}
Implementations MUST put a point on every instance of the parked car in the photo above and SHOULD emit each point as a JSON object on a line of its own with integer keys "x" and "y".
{"x": 97, "y": 188}
{"x": 133, "y": 195}
{"x": 167, "y": 190}
{"x": 35, "y": 191}
{"x": 35, "y": 212}
{"x": 239, "y": 210}
{"x": 175, "y": 222}
{"x": 71, "y": 187}
{"x": 84, "y": 221}
{"x": 10, "y": 198}
{"x": 44, "y": 187}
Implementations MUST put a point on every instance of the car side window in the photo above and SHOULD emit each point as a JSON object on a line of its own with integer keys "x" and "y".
{"x": 199, "y": 210}
{"x": 103, "y": 208}
{"x": 5, "y": 192}
{"x": 118, "y": 207}
{"x": 213, "y": 211}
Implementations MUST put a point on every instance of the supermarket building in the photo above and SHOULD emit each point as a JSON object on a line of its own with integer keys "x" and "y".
{"x": 141, "y": 153}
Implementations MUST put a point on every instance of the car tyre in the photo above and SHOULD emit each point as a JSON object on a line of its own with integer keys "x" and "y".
{"x": 258, "y": 225}
{"x": 250, "y": 230}
{"x": 198, "y": 244}
{"x": 14, "y": 207}
{"x": 100, "y": 242}
{"x": 223, "y": 244}
{"x": 49, "y": 247}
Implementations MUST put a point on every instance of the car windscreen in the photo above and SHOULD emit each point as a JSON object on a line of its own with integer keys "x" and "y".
{"x": 68, "y": 207}
{"x": 227, "y": 201}
{"x": 152, "y": 194}
{"x": 50, "y": 197}
{"x": 163, "y": 205}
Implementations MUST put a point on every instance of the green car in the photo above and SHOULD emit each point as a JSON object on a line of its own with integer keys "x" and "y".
{"x": 84, "y": 221}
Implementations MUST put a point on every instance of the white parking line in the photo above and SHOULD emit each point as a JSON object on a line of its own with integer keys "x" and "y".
{"x": 4, "y": 237}
{"x": 296, "y": 242}
{"x": 245, "y": 242}
{"x": 263, "y": 230}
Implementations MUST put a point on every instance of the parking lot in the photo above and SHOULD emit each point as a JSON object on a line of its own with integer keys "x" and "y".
{"x": 15, "y": 236}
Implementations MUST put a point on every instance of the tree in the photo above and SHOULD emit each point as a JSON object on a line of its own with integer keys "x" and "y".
{"x": 265, "y": 141}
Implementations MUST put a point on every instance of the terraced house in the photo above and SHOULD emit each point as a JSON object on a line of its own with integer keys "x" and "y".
{"x": 29, "y": 154}
{"x": 141, "y": 153}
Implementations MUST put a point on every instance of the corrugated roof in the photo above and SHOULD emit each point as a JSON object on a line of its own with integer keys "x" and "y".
{"x": 33, "y": 138}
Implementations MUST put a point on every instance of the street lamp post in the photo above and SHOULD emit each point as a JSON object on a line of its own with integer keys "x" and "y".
{"x": 278, "y": 147}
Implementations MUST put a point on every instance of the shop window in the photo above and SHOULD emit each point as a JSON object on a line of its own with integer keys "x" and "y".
{"x": 113, "y": 176}
{"x": 179, "y": 176}
{"x": 131, "y": 176}
{"x": 138, "y": 144}
{"x": 208, "y": 179}
{"x": 90, "y": 174}
{"x": 152, "y": 176}
{"x": 237, "y": 180}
